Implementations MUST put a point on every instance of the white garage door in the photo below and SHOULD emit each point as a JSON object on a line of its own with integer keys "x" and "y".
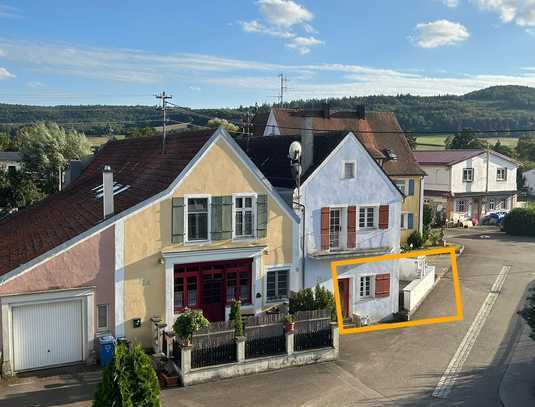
{"x": 47, "y": 334}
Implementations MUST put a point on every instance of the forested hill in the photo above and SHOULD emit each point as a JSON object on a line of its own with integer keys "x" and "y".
{"x": 499, "y": 107}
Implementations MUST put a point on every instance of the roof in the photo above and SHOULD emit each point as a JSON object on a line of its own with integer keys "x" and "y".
{"x": 10, "y": 156}
{"x": 64, "y": 215}
{"x": 445, "y": 157}
{"x": 270, "y": 155}
{"x": 378, "y": 132}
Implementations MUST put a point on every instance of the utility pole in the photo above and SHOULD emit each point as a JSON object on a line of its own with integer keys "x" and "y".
{"x": 163, "y": 97}
{"x": 283, "y": 88}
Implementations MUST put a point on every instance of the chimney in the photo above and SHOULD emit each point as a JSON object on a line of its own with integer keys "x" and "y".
{"x": 307, "y": 142}
{"x": 107, "y": 191}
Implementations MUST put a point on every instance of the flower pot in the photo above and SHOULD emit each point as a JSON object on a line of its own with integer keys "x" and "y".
{"x": 185, "y": 342}
{"x": 169, "y": 380}
{"x": 290, "y": 326}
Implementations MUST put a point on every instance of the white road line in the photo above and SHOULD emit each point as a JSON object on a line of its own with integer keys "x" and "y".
{"x": 447, "y": 381}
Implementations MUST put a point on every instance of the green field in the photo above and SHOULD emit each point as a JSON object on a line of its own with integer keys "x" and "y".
{"x": 101, "y": 140}
{"x": 437, "y": 142}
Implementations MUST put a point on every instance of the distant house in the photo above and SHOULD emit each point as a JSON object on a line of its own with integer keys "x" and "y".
{"x": 529, "y": 180}
{"x": 351, "y": 209}
{"x": 381, "y": 135}
{"x": 10, "y": 160}
{"x": 467, "y": 184}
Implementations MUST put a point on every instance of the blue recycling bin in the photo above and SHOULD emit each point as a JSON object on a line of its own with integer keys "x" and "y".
{"x": 106, "y": 348}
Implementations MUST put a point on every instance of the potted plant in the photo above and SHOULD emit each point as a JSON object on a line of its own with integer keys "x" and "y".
{"x": 187, "y": 323}
{"x": 289, "y": 321}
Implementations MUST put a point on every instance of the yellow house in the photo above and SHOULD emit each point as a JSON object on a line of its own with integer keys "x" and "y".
{"x": 412, "y": 205}
{"x": 219, "y": 232}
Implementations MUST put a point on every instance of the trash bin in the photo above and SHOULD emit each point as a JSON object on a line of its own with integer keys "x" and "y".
{"x": 106, "y": 348}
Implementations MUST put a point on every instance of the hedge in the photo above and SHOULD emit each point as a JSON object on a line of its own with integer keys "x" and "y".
{"x": 520, "y": 221}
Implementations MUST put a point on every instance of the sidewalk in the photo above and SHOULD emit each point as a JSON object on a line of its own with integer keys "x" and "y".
{"x": 518, "y": 384}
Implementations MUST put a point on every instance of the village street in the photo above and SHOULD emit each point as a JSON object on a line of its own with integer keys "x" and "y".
{"x": 391, "y": 368}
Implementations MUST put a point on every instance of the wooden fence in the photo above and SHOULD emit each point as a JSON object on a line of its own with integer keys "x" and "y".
{"x": 264, "y": 335}
{"x": 312, "y": 329}
{"x": 214, "y": 345}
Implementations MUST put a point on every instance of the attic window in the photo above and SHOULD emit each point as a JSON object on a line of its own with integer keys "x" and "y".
{"x": 348, "y": 169}
{"x": 390, "y": 155}
{"x": 117, "y": 189}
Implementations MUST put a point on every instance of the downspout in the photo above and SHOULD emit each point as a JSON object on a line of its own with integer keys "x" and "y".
{"x": 486, "y": 185}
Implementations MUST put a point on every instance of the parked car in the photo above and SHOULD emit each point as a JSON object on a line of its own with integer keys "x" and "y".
{"x": 494, "y": 217}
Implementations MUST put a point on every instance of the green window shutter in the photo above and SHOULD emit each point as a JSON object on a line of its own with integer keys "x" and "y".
{"x": 226, "y": 229}
{"x": 411, "y": 187}
{"x": 261, "y": 216}
{"x": 177, "y": 222}
{"x": 217, "y": 217}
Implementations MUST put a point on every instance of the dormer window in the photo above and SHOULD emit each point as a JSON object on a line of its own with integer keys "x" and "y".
{"x": 348, "y": 169}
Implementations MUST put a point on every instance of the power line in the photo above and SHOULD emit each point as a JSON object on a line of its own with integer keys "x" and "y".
{"x": 163, "y": 97}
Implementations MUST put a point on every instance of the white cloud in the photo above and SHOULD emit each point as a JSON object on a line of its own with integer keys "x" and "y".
{"x": 284, "y": 13}
{"x": 439, "y": 33}
{"x": 8, "y": 11}
{"x": 303, "y": 44}
{"x": 35, "y": 84}
{"x": 5, "y": 74}
{"x": 281, "y": 19}
{"x": 450, "y": 3}
{"x": 521, "y": 12}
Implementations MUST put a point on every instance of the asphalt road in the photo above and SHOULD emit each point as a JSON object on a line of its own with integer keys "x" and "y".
{"x": 390, "y": 368}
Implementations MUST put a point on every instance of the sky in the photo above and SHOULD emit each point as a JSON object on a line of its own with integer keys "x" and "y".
{"x": 226, "y": 53}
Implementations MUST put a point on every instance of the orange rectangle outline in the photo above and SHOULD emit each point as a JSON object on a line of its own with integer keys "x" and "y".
{"x": 374, "y": 259}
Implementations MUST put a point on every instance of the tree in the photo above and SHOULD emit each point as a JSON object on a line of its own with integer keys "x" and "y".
{"x": 411, "y": 139}
{"x": 503, "y": 149}
{"x": 235, "y": 315}
{"x": 17, "y": 190}
{"x": 129, "y": 380}
{"x": 216, "y": 122}
{"x": 47, "y": 149}
{"x": 6, "y": 143}
{"x": 465, "y": 139}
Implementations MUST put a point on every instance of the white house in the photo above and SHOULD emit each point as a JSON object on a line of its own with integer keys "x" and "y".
{"x": 351, "y": 209}
{"x": 467, "y": 184}
{"x": 10, "y": 160}
{"x": 529, "y": 181}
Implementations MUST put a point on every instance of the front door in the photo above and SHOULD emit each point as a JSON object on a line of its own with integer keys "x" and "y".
{"x": 213, "y": 296}
{"x": 343, "y": 288}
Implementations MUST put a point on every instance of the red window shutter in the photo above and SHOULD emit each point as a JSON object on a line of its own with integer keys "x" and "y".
{"x": 325, "y": 223}
{"x": 382, "y": 285}
{"x": 383, "y": 216}
{"x": 351, "y": 227}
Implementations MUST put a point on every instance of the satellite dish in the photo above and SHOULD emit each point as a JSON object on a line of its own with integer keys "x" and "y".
{"x": 295, "y": 150}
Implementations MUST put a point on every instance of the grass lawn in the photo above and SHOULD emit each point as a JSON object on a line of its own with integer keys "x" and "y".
{"x": 100, "y": 140}
{"x": 437, "y": 142}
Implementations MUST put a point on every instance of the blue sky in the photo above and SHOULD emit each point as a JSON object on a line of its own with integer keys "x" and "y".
{"x": 229, "y": 52}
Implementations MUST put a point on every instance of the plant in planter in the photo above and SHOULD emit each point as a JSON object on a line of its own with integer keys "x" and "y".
{"x": 235, "y": 315}
{"x": 289, "y": 320}
{"x": 187, "y": 323}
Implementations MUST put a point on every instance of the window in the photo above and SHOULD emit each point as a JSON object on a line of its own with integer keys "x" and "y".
{"x": 197, "y": 219}
{"x": 244, "y": 216}
{"x": 238, "y": 286}
{"x": 468, "y": 174}
{"x": 501, "y": 174}
{"x": 277, "y": 285}
{"x": 335, "y": 228}
{"x": 460, "y": 205}
{"x": 367, "y": 217}
{"x": 365, "y": 287}
{"x": 102, "y": 316}
{"x": 401, "y": 185}
{"x": 492, "y": 204}
{"x": 348, "y": 170}
{"x": 403, "y": 220}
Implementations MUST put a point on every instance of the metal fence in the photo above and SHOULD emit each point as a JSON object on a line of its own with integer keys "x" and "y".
{"x": 264, "y": 336}
{"x": 214, "y": 345}
{"x": 312, "y": 329}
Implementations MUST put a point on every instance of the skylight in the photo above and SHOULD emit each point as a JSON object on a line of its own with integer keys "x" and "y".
{"x": 117, "y": 189}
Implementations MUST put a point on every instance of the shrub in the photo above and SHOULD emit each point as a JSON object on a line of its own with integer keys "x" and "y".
{"x": 235, "y": 315}
{"x": 520, "y": 221}
{"x": 188, "y": 322}
{"x": 308, "y": 300}
{"x": 436, "y": 237}
{"x": 416, "y": 240}
{"x": 427, "y": 215}
{"x": 129, "y": 380}
{"x": 528, "y": 313}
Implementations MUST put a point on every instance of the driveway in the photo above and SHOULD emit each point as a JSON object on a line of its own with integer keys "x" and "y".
{"x": 390, "y": 368}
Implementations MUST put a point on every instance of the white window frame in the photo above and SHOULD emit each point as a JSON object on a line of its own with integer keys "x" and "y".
{"x": 375, "y": 217}
{"x": 492, "y": 204}
{"x": 186, "y": 226}
{"x": 287, "y": 267}
{"x": 504, "y": 178}
{"x": 469, "y": 171}
{"x": 254, "y": 196}
{"x": 103, "y": 328}
{"x": 343, "y": 226}
{"x": 405, "y": 188}
{"x": 372, "y": 287}
{"x": 457, "y": 201}
{"x": 352, "y": 162}
{"x": 404, "y": 225}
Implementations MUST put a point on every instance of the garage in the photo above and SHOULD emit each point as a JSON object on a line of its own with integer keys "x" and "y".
{"x": 47, "y": 334}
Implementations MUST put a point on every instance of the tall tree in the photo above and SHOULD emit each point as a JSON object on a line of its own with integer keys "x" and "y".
{"x": 503, "y": 149}
{"x": 47, "y": 149}
{"x": 465, "y": 139}
{"x": 230, "y": 127}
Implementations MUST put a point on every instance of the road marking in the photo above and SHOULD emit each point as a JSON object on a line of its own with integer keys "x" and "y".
{"x": 448, "y": 379}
